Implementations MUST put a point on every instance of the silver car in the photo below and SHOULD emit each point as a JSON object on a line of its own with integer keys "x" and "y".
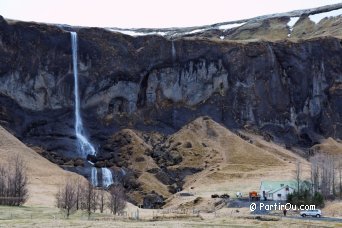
{"x": 313, "y": 213}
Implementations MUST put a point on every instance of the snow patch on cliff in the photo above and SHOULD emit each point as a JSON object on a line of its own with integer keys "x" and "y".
{"x": 291, "y": 23}
{"x": 136, "y": 33}
{"x": 230, "y": 26}
{"x": 196, "y": 31}
{"x": 318, "y": 17}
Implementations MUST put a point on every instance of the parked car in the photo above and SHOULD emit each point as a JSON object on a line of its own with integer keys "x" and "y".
{"x": 313, "y": 213}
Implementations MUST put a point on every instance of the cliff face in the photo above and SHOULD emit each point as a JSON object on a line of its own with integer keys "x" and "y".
{"x": 289, "y": 89}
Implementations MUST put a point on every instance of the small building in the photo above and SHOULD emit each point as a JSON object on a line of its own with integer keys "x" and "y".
{"x": 277, "y": 190}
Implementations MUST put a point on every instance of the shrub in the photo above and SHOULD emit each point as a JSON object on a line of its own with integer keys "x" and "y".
{"x": 13, "y": 183}
{"x": 306, "y": 198}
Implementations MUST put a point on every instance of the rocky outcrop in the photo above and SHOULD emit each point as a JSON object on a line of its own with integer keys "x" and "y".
{"x": 153, "y": 201}
{"x": 178, "y": 83}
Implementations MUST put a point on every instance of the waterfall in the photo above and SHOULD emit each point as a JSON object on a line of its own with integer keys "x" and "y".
{"x": 173, "y": 50}
{"x": 85, "y": 146}
{"x": 94, "y": 177}
{"x": 107, "y": 177}
{"x": 123, "y": 172}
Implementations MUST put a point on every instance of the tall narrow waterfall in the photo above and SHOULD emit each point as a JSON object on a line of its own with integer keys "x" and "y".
{"x": 173, "y": 50}
{"x": 85, "y": 146}
{"x": 107, "y": 177}
{"x": 93, "y": 177}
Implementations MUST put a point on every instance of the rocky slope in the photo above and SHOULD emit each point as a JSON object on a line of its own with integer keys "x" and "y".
{"x": 278, "y": 76}
{"x": 202, "y": 151}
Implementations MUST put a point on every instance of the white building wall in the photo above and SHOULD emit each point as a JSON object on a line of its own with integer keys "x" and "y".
{"x": 274, "y": 196}
{"x": 283, "y": 194}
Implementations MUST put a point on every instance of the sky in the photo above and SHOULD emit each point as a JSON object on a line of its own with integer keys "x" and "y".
{"x": 147, "y": 13}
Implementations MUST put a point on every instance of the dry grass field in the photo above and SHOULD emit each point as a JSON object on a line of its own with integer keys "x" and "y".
{"x": 51, "y": 217}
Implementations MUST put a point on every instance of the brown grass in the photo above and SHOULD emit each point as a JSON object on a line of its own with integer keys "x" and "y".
{"x": 221, "y": 146}
{"x": 151, "y": 183}
{"x": 333, "y": 208}
{"x": 44, "y": 176}
{"x": 329, "y": 146}
{"x": 28, "y": 217}
{"x": 236, "y": 166}
{"x": 133, "y": 153}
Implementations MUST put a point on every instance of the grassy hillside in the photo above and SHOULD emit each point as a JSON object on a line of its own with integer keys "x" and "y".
{"x": 44, "y": 177}
{"x": 231, "y": 163}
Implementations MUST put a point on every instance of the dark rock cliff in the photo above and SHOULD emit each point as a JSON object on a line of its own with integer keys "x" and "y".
{"x": 289, "y": 89}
